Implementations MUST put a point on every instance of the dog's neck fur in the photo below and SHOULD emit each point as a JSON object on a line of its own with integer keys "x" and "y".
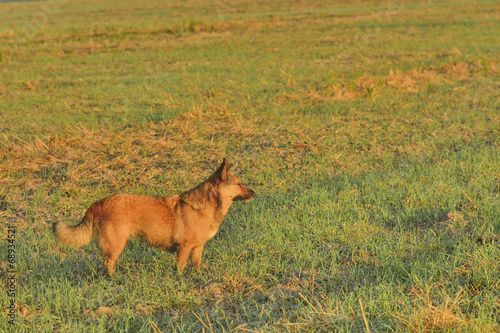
{"x": 206, "y": 197}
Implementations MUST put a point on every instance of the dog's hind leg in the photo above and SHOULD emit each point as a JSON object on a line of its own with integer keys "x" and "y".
{"x": 110, "y": 258}
{"x": 111, "y": 249}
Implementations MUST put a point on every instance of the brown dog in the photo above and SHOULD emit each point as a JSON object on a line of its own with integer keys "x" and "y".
{"x": 178, "y": 223}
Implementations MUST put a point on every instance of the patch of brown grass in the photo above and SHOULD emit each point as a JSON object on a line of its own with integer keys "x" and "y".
{"x": 432, "y": 318}
{"x": 166, "y": 156}
{"x": 438, "y": 318}
{"x": 412, "y": 81}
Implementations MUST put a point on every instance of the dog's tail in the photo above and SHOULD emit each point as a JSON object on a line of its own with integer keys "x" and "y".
{"x": 77, "y": 235}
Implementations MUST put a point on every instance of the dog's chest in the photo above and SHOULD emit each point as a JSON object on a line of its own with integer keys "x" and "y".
{"x": 212, "y": 230}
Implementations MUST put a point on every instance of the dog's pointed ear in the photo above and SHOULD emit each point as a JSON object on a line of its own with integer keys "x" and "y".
{"x": 226, "y": 164}
{"x": 220, "y": 175}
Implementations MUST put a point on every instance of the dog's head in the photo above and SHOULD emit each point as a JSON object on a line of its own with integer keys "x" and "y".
{"x": 222, "y": 185}
{"x": 230, "y": 186}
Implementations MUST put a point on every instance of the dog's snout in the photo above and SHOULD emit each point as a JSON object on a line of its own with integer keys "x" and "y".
{"x": 251, "y": 194}
{"x": 245, "y": 195}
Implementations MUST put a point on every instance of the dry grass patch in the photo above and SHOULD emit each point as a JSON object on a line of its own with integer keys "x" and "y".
{"x": 412, "y": 81}
{"x": 416, "y": 80}
{"x": 163, "y": 156}
{"x": 438, "y": 318}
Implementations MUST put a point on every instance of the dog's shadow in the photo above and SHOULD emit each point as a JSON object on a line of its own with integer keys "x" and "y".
{"x": 85, "y": 264}
{"x": 81, "y": 265}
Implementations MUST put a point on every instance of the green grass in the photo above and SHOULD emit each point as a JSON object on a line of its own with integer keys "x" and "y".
{"x": 369, "y": 131}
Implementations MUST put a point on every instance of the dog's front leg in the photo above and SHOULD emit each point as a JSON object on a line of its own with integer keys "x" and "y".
{"x": 182, "y": 255}
{"x": 196, "y": 256}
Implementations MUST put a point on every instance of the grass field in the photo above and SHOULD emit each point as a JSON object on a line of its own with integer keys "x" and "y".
{"x": 370, "y": 131}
